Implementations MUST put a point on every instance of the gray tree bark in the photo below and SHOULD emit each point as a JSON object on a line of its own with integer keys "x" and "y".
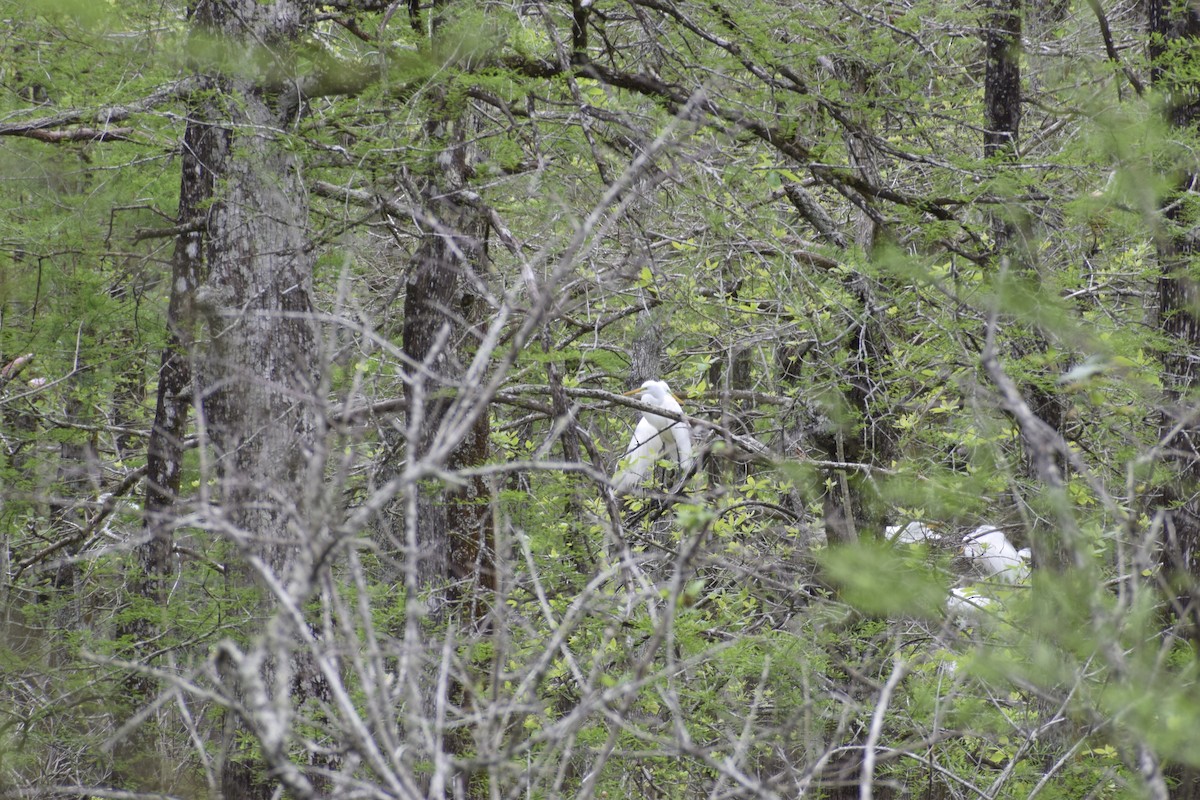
{"x": 257, "y": 387}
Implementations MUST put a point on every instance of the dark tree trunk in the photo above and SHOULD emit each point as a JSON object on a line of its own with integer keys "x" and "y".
{"x": 136, "y": 756}
{"x": 1002, "y": 98}
{"x": 442, "y": 316}
{"x": 1002, "y": 78}
{"x": 202, "y": 144}
{"x": 450, "y": 544}
{"x": 1178, "y": 298}
{"x": 1012, "y": 227}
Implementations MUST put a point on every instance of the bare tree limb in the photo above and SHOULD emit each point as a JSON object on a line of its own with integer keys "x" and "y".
{"x": 48, "y": 128}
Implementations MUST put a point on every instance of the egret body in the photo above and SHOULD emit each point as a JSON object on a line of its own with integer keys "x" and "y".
{"x": 655, "y": 438}
{"x": 990, "y": 549}
{"x": 915, "y": 532}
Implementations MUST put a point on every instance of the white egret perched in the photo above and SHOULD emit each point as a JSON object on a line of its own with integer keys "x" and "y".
{"x": 990, "y": 549}
{"x": 654, "y": 438}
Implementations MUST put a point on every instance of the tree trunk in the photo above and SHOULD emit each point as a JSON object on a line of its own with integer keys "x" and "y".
{"x": 450, "y": 543}
{"x": 1002, "y": 78}
{"x": 258, "y": 382}
{"x": 1012, "y": 228}
{"x": 851, "y": 505}
{"x": 442, "y": 317}
{"x": 135, "y": 757}
{"x": 1002, "y": 99}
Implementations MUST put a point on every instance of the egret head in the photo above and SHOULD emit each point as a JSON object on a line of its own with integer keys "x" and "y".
{"x": 653, "y": 392}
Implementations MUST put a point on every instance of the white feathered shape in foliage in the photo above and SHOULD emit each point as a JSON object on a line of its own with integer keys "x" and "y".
{"x": 654, "y": 438}
{"x": 965, "y": 605}
{"x": 990, "y": 549}
{"x": 915, "y": 532}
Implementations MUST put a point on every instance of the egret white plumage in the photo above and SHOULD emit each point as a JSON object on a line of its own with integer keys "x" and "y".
{"x": 655, "y": 438}
{"x": 990, "y": 549}
{"x": 965, "y": 604}
{"x": 915, "y": 532}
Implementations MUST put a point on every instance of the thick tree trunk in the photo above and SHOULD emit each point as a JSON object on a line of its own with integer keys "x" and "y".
{"x": 259, "y": 374}
{"x": 257, "y": 387}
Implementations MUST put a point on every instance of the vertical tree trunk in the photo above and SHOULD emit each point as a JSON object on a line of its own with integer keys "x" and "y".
{"x": 260, "y": 370}
{"x": 135, "y": 757}
{"x": 1012, "y": 228}
{"x": 1002, "y": 78}
{"x": 442, "y": 318}
{"x": 1002, "y": 105}
{"x": 453, "y": 566}
{"x": 202, "y": 145}
{"x": 257, "y": 383}
{"x": 851, "y": 503}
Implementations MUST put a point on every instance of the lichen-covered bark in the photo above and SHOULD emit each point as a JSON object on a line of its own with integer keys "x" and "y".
{"x": 259, "y": 373}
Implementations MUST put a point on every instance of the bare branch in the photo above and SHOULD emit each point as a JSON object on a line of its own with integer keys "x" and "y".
{"x": 49, "y": 128}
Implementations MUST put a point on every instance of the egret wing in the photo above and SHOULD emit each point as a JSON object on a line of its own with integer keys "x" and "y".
{"x": 682, "y": 433}
{"x": 643, "y": 452}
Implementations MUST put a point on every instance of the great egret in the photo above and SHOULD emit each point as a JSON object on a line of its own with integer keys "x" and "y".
{"x": 914, "y": 532}
{"x": 989, "y": 548}
{"x": 655, "y": 437}
{"x": 965, "y": 604}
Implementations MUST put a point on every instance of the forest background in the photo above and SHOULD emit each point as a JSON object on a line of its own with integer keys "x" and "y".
{"x": 315, "y": 323}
